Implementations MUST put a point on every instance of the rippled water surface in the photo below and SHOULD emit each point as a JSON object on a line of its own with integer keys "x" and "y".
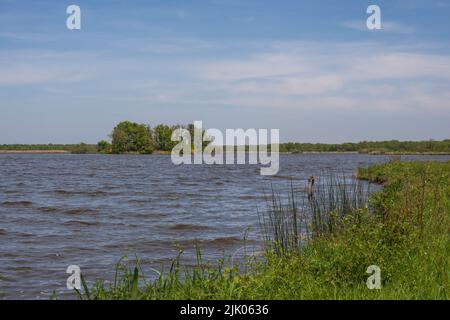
{"x": 90, "y": 210}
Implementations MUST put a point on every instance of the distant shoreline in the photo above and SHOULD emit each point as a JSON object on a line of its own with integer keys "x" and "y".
{"x": 155, "y": 146}
{"x": 34, "y": 151}
{"x": 292, "y": 153}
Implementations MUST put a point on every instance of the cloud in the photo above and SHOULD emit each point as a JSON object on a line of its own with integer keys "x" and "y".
{"x": 182, "y": 14}
{"x": 27, "y": 37}
{"x": 34, "y": 67}
{"x": 292, "y": 85}
{"x": 396, "y": 27}
{"x": 386, "y": 26}
{"x": 24, "y": 74}
{"x": 298, "y": 75}
{"x": 338, "y": 76}
{"x": 169, "y": 45}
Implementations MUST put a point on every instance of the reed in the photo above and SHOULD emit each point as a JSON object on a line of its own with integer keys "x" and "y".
{"x": 282, "y": 223}
{"x": 336, "y": 199}
{"x": 290, "y": 222}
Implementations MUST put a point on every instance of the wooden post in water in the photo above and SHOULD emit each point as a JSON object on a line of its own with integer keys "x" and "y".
{"x": 310, "y": 191}
{"x": 310, "y": 188}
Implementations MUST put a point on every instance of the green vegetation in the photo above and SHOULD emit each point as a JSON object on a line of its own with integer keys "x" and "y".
{"x": 37, "y": 147}
{"x": 163, "y": 137}
{"x": 83, "y": 148}
{"x": 131, "y": 137}
{"x": 403, "y": 229}
{"x": 392, "y": 146}
{"x": 80, "y": 148}
{"x": 104, "y": 146}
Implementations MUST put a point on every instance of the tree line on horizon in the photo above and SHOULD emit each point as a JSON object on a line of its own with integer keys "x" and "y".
{"x": 132, "y": 137}
{"x": 389, "y": 146}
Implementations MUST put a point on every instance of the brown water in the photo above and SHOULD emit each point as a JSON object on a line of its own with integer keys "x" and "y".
{"x": 90, "y": 210}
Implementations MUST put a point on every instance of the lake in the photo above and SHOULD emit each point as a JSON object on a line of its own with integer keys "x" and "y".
{"x": 58, "y": 210}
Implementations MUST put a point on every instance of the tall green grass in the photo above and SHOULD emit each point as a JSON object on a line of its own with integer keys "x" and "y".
{"x": 289, "y": 223}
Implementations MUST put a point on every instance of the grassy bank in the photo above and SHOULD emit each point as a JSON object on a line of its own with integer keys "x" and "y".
{"x": 404, "y": 230}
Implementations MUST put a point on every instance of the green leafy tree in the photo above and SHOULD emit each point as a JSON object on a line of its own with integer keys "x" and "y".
{"x": 131, "y": 137}
{"x": 193, "y": 130}
{"x": 163, "y": 134}
{"x": 104, "y": 147}
{"x": 83, "y": 148}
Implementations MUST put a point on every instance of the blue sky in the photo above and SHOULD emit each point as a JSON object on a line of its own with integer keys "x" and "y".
{"x": 309, "y": 68}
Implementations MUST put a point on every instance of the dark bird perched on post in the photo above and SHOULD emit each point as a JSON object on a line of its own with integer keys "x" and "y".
{"x": 310, "y": 187}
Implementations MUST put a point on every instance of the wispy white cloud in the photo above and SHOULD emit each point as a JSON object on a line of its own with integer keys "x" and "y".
{"x": 386, "y": 26}
{"x": 23, "y": 74}
{"x": 182, "y": 14}
{"x": 335, "y": 76}
{"x": 165, "y": 46}
{"x": 299, "y": 75}
{"x": 26, "y": 67}
{"x": 27, "y": 37}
